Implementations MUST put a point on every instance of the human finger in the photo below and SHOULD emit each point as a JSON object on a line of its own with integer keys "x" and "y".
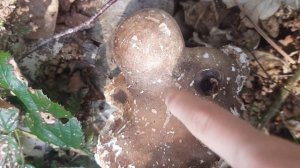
{"x": 233, "y": 139}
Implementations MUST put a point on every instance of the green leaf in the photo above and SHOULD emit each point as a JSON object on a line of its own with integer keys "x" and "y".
{"x": 10, "y": 152}
{"x": 73, "y": 104}
{"x": 8, "y": 120}
{"x": 63, "y": 135}
{"x": 55, "y": 109}
{"x": 28, "y": 166}
{"x": 43, "y": 117}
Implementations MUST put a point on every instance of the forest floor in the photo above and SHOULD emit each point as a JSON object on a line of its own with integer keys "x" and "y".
{"x": 270, "y": 95}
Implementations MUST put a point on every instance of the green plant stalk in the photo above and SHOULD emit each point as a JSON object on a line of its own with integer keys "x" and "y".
{"x": 16, "y": 134}
{"x": 281, "y": 97}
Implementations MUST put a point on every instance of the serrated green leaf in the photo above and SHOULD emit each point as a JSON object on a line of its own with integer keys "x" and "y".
{"x": 43, "y": 116}
{"x": 8, "y": 120}
{"x": 55, "y": 109}
{"x": 10, "y": 152}
{"x": 63, "y": 135}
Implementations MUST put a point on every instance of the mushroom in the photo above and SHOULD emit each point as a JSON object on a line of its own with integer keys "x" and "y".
{"x": 149, "y": 49}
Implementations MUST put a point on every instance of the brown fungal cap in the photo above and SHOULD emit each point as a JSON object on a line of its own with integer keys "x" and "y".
{"x": 147, "y": 46}
{"x": 149, "y": 49}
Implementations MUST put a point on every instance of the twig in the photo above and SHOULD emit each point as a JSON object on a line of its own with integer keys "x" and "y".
{"x": 266, "y": 37}
{"x": 85, "y": 25}
{"x": 272, "y": 43}
{"x": 199, "y": 18}
{"x": 280, "y": 99}
{"x": 271, "y": 79}
{"x": 280, "y": 85}
{"x": 217, "y": 17}
{"x": 262, "y": 68}
{"x": 284, "y": 91}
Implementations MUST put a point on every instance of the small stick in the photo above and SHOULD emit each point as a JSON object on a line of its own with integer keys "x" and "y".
{"x": 280, "y": 99}
{"x": 199, "y": 18}
{"x": 85, "y": 25}
{"x": 284, "y": 91}
{"x": 266, "y": 37}
{"x": 217, "y": 17}
{"x": 272, "y": 43}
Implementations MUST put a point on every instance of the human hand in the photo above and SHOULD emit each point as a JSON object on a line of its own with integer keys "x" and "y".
{"x": 241, "y": 145}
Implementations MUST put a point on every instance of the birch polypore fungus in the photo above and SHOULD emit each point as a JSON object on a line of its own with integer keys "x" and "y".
{"x": 150, "y": 51}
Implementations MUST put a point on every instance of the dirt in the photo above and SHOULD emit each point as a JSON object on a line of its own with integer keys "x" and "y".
{"x": 6, "y": 8}
{"x": 77, "y": 66}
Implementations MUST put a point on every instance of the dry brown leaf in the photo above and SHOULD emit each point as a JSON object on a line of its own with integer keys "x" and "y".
{"x": 48, "y": 118}
{"x": 5, "y": 104}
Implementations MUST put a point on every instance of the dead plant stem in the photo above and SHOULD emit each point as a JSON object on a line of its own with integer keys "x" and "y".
{"x": 85, "y": 25}
{"x": 266, "y": 37}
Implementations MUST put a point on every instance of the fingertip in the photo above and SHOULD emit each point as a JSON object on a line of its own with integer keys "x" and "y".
{"x": 171, "y": 94}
